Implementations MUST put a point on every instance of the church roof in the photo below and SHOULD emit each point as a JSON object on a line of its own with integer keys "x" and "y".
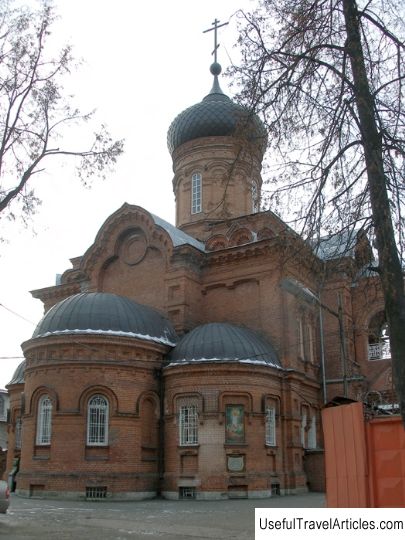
{"x": 215, "y": 115}
{"x": 178, "y": 237}
{"x": 223, "y": 342}
{"x": 18, "y": 377}
{"x": 337, "y": 245}
{"x": 105, "y": 314}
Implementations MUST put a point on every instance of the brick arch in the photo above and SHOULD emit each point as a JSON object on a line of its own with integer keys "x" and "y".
{"x": 196, "y": 397}
{"x": 152, "y": 397}
{"x": 265, "y": 234}
{"x": 225, "y": 398}
{"x": 38, "y": 393}
{"x": 98, "y": 389}
{"x": 216, "y": 242}
{"x": 240, "y": 236}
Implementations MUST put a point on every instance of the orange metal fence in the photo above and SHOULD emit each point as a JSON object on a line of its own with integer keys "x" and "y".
{"x": 364, "y": 459}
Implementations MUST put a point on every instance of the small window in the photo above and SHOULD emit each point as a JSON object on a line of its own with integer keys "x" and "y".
{"x": 17, "y": 433}
{"x": 187, "y": 493}
{"x": 311, "y": 345}
{"x": 301, "y": 343}
{"x": 44, "y": 421}
{"x": 255, "y": 198}
{"x": 271, "y": 426}
{"x": 196, "y": 193}
{"x": 304, "y": 417}
{"x": 96, "y": 492}
{"x": 2, "y": 408}
{"x": 312, "y": 433}
{"x": 97, "y": 421}
{"x": 188, "y": 425}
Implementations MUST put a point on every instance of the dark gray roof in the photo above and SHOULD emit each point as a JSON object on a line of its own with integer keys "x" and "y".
{"x": 18, "y": 377}
{"x": 334, "y": 246}
{"x": 223, "y": 342}
{"x": 215, "y": 115}
{"x": 105, "y": 313}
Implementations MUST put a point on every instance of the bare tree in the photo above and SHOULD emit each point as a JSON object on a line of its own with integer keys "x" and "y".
{"x": 328, "y": 78}
{"x": 34, "y": 112}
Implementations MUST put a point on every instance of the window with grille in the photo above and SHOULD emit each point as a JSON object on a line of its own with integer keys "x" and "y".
{"x": 312, "y": 434}
{"x": 255, "y": 198}
{"x": 311, "y": 347}
{"x": 270, "y": 426}
{"x": 303, "y": 427}
{"x": 301, "y": 344}
{"x": 187, "y": 493}
{"x": 188, "y": 424}
{"x": 18, "y": 425}
{"x": 97, "y": 421}
{"x": 44, "y": 421}
{"x": 196, "y": 193}
{"x": 96, "y": 492}
{"x": 2, "y": 408}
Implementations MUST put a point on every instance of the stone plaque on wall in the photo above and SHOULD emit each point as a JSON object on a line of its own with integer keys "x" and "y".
{"x": 236, "y": 463}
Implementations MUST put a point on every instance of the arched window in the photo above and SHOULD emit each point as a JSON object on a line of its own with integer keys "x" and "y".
{"x": 270, "y": 425}
{"x": 196, "y": 193}
{"x": 97, "y": 421}
{"x": 18, "y": 429}
{"x": 2, "y": 408}
{"x": 255, "y": 198}
{"x": 188, "y": 425}
{"x": 44, "y": 421}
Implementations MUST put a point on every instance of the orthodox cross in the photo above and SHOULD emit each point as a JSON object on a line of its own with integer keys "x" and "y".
{"x": 216, "y": 25}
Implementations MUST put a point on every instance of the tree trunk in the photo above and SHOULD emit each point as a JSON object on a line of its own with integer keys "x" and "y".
{"x": 389, "y": 263}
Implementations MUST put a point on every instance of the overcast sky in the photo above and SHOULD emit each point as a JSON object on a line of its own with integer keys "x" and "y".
{"x": 144, "y": 62}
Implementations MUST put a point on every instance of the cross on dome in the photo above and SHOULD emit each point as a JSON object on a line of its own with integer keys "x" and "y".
{"x": 215, "y": 67}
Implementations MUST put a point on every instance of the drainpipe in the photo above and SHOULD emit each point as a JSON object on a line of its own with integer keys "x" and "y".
{"x": 161, "y": 426}
{"x": 322, "y": 343}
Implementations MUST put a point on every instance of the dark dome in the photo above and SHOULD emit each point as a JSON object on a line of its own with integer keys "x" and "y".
{"x": 105, "y": 313}
{"x": 18, "y": 377}
{"x": 215, "y": 115}
{"x": 222, "y": 342}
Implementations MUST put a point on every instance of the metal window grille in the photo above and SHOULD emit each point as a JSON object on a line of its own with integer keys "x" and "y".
{"x": 255, "y": 198}
{"x": 188, "y": 424}
{"x": 311, "y": 350}
{"x": 196, "y": 192}
{"x": 312, "y": 434}
{"x": 44, "y": 423}
{"x": 303, "y": 428}
{"x": 96, "y": 492}
{"x": 187, "y": 493}
{"x": 271, "y": 426}
{"x": 18, "y": 426}
{"x": 379, "y": 351}
{"x": 301, "y": 338}
{"x": 97, "y": 421}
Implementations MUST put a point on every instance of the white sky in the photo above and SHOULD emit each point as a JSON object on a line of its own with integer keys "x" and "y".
{"x": 144, "y": 62}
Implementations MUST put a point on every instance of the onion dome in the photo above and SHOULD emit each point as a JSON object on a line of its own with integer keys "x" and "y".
{"x": 18, "y": 377}
{"x": 216, "y": 115}
{"x": 223, "y": 342}
{"x": 106, "y": 314}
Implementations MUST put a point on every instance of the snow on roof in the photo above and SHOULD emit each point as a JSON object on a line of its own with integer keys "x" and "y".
{"x": 224, "y": 361}
{"x": 89, "y": 331}
{"x": 179, "y": 238}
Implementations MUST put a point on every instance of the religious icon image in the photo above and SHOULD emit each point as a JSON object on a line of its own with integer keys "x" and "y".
{"x": 235, "y": 428}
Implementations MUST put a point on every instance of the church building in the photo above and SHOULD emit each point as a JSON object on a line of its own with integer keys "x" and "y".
{"x": 192, "y": 361}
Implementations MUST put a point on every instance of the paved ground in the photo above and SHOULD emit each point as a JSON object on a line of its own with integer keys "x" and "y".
{"x": 29, "y": 519}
